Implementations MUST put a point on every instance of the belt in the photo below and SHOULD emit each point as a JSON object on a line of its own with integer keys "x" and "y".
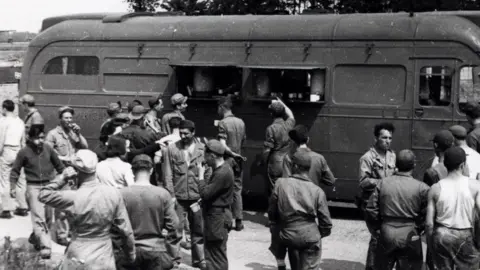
{"x": 398, "y": 219}
{"x": 450, "y": 228}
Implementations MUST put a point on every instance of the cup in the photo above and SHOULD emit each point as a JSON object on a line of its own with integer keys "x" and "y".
{"x": 195, "y": 207}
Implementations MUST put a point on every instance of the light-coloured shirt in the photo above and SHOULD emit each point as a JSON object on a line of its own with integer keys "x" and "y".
{"x": 115, "y": 172}
{"x": 473, "y": 161}
{"x": 455, "y": 205}
{"x": 65, "y": 144}
{"x": 12, "y": 132}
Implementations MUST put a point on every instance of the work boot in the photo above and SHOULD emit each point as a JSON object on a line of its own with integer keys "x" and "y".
{"x": 239, "y": 225}
{"x": 6, "y": 215}
{"x": 45, "y": 253}
{"x": 21, "y": 212}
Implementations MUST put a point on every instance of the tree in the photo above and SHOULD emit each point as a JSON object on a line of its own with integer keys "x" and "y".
{"x": 190, "y": 7}
{"x": 143, "y": 5}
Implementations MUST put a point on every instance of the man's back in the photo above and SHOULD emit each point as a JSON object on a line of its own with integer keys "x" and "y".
{"x": 232, "y": 129}
{"x": 435, "y": 174}
{"x": 139, "y": 137}
{"x": 150, "y": 209}
{"x": 319, "y": 172}
{"x": 402, "y": 196}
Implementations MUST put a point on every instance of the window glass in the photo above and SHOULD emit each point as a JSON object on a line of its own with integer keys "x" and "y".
{"x": 367, "y": 84}
{"x": 209, "y": 81}
{"x": 293, "y": 84}
{"x": 469, "y": 84}
{"x": 435, "y": 86}
{"x": 72, "y": 65}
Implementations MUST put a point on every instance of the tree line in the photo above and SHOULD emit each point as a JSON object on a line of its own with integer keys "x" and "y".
{"x": 262, "y": 7}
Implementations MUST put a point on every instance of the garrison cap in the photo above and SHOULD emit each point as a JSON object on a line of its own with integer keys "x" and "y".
{"x": 178, "y": 99}
{"x": 302, "y": 159}
{"x": 64, "y": 109}
{"x": 216, "y": 147}
{"x": 444, "y": 139}
{"x": 454, "y": 156}
{"x": 277, "y": 107}
{"x": 458, "y": 132}
{"x": 27, "y": 99}
{"x": 137, "y": 112}
{"x": 298, "y": 133}
{"x": 142, "y": 158}
{"x": 85, "y": 161}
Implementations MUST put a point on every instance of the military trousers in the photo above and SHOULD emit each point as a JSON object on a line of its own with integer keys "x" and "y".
{"x": 218, "y": 223}
{"x": 37, "y": 215}
{"x": 195, "y": 221}
{"x": 237, "y": 206}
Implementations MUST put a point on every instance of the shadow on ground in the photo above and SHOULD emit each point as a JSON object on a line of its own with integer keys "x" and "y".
{"x": 327, "y": 264}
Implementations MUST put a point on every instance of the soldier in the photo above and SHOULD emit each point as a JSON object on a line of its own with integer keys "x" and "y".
{"x": 396, "y": 212}
{"x": 217, "y": 197}
{"x": 277, "y": 144}
{"x": 375, "y": 164}
{"x": 294, "y": 205}
{"x": 65, "y": 139}
{"x": 95, "y": 209}
{"x": 452, "y": 204}
{"x": 151, "y": 118}
{"x": 12, "y": 139}
{"x": 39, "y": 162}
{"x": 32, "y": 115}
{"x": 473, "y": 157}
{"x": 442, "y": 141}
{"x": 232, "y": 133}
{"x": 179, "y": 103}
{"x": 320, "y": 173}
{"x": 151, "y": 209}
{"x": 181, "y": 172}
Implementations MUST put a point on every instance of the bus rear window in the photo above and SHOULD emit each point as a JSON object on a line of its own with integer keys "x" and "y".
{"x": 72, "y": 65}
{"x": 372, "y": 85}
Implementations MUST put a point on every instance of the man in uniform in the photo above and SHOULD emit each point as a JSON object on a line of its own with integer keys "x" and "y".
{"x": 442, "y": 141}
{"x": 179, "y": 103}
{"x": 181, "y": 172}
{"x": 377, "y": 163}
{"x": 151, "y": 118}
{"x": 232, "y": 133}
{"x": 65, "y": 139}
{"x": 295, "y": 204}
{"x": 452, "y": 206}
{"x": 277, "y": 143}
{"x": 217, "y": 196}
{"x": 320, "y": 173}
{"x": 12, "y": 139}
{"x": 95, "y": 210}
{"x": 396, "y": 211}
{"x": 151, "y": 209}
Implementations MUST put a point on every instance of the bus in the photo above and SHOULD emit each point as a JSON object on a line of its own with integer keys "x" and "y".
{"x": 340, "y": 74}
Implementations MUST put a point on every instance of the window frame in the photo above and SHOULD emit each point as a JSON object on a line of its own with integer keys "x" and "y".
{"x": 65, "y": 71}
{"x": 452, "y": 84}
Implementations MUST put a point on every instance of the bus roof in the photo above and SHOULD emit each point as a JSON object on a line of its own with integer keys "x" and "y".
{"x": 392, "y": 26}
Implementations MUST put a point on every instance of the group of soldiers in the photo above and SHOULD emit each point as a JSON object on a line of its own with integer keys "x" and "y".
{"x": 442, "y": 207}
{"x": 128, "y": 203}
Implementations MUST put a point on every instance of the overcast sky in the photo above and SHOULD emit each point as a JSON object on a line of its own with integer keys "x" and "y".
{"x": 27, "y": 15}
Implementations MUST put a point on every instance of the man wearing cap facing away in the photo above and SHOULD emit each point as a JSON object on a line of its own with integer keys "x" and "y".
{"x": 277, "y": 144}
{"x": 473, "y": 157}
{"x": 232, "y": 133}
{"x": 32, "y": 115}
{"x": 217, "y": 197}
{"x": 396, "y": 210}
{"x": 179, "y": 104}
{"x": 442, "y": 141}
{"x": 377, "y": 163}
{"x": 151, "y": 209}
{"x": 181, "y": 172}
{"x": 295, "y": 215}
{"x": 320, "y": 173}
{"x": 113, "y": 110}
{"x": 94, "y": 210}
{"x": 452, "y": 206}
{"x": 65, "y": 139}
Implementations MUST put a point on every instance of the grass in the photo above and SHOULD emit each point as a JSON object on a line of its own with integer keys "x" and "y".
{"x": 20, "y": 255}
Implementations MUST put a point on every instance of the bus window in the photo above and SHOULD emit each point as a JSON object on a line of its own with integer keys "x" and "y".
{"x": 469, "y": 84}
{"x": 293, "y": 84}
{"x": 369, "y": 84}
{"x": 208, "y": 81}
{"x": 72, "y": 65}
{"x": 435, "y": 86}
